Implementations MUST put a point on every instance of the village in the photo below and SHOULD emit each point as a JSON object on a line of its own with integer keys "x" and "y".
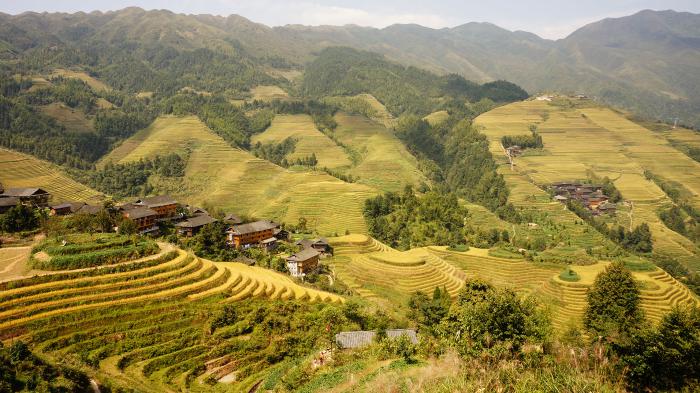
{"x": 590, "y": 196}
{"x": 148, "y": 214}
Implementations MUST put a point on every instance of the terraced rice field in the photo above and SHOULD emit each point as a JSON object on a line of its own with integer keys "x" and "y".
{"x": 21, "y": 170}
{"x": 683, "y": 135}
{"x": 309, "y": 140}
{"x": 94, "y": 84}
{"x": 237, "y": 181}
{"x": 72, "y": 119}
{"x": 268, "y": 93}
{"x": 382, "y": 115}
{"x": 384, "y": 163}
{"x": 595, "y": 139}
{"x": 141, "y": 325}
{"x": 376, "y": 271}
{"x": 436, "y": 118}
{"x": 567, "y": 300}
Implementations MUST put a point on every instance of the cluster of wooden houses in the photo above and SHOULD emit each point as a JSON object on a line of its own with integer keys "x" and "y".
{"x": 148, "y": 213}
{"x": 591, "y": 196}
{"x": 11, "y": 197}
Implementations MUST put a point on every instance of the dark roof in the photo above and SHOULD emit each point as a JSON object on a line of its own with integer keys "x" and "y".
{"x": 321, "y": 241}
{"x": 23, "y": 192}
{"x": 88, "y": 209}
{"x": 9, "y": 201}
{"x": 157, "y": 201}
{"x": 73, "y": 206}
{"x": 362, "y": 338}
{"x": 233, "y": 219}
{"x": 257, "y": 226}
{"x": 304, "y": 243}
{"x": 303, "y": 255}
{"x": 140, "y": 212}
{"x": 196, "y": 210}
{"x": 196, "y": 221}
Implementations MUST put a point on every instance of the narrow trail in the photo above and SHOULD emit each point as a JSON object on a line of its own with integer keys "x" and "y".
{"x": 16, "y": 261}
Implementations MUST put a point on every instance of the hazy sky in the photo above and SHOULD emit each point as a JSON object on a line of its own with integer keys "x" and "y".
{"x": 548, "y": 18}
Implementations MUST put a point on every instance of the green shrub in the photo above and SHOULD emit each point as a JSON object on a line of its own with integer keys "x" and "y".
{"x": 459, "y": 248}
{"x": 569, "y": 275}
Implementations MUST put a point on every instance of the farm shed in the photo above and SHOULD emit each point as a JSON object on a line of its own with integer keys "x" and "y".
{"x": 362, "y": 338}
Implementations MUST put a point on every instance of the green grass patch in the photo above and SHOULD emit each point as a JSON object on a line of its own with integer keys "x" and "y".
{"x": 569, "y": 275}
{"x": 637, "y": 264}
{"x": 500, "y": 252}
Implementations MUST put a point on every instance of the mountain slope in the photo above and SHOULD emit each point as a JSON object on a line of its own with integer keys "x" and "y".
{"x": 22, "y": 170}
{"x": 236, "y": 181}
{"x": 648, "y": 62}
{"x": 594, "y": 139}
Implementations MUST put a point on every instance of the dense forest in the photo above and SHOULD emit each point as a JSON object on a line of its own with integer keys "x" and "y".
{"x": 459, "y": 156}
{"x": 346, "y": 71}
{"x": 404, "y": 221}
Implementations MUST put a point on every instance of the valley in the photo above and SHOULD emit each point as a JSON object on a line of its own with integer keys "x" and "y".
{"x": 198, "y": 203}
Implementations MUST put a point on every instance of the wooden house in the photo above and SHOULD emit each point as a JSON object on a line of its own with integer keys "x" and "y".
{"x": 233, "y": 219}
{"x": 303, "y": 262}
{"x": 144, "y": 218}
{"x": 8, "y": 203}
{"x": 320, "y": 244}
{"x": 607, "y": 208}
{"x": 164, "y": 205}
{"x": 192, "y": 225}
{"x": 66, "y": 208}
{"x": 35, "y": 197}
{"x": 252, "y": 233}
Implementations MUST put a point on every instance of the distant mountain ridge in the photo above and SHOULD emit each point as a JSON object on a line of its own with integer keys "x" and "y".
{"x": 648, "y": 62}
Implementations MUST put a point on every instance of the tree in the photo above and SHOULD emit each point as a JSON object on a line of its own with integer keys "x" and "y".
{"x": 404, "y": 348}
{"x": 127, "y": 227}
{"x": 613, "y": 303}
{"x": 493, "y": 320}
{"x": 667, "y": 357}
{"x": 430, "y": 312}
{"x": 19, "y": 218}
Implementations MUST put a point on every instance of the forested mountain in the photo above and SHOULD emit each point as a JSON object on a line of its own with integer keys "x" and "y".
{"x": 648, "y": 62}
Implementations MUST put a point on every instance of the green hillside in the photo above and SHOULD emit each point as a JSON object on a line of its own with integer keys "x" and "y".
{"x": 630, "y": 61}
{"x": 589, "y": 138}
{"x": 236, "y": 181}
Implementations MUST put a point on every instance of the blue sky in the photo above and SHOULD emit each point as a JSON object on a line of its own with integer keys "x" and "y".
{"x": 547, "y": 18}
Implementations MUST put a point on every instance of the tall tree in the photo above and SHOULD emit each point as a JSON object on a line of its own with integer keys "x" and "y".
{"x": 613, "y": 303}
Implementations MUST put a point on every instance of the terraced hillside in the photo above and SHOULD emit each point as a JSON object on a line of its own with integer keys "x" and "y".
{"x": 141, "y": 324}
{"x": 383, "y": 161}
{"x": 377, "y": 272}
{"x": 72, "y": 119}
{"x": 21, "y": 170}
{"x": 309, "y": 140}
{"x": 268, "y": 93}
{"x": 94, "y": 83}
{"x": 584, "y": 137}
{"x": 237, "y": 181}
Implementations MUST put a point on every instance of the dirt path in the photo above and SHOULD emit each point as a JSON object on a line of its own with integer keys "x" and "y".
{"x": 164, "y": 249}
{"x": 13, "y": 262}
